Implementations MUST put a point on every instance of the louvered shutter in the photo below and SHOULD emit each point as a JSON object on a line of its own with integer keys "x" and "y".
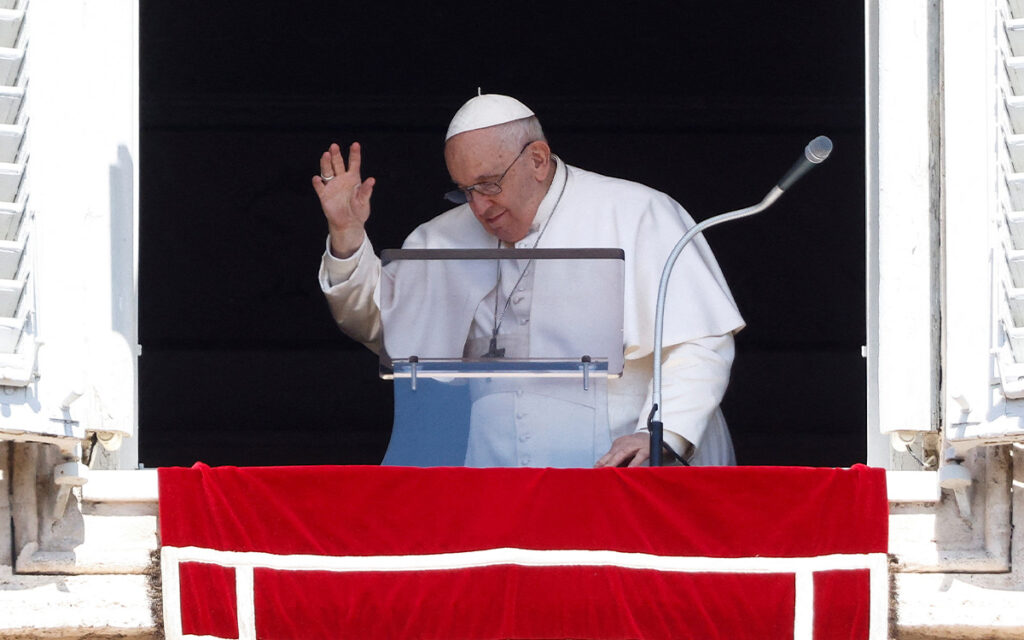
{"x": 983, "y": 140}
{"x": 17, "y": 343}
{"x": 68, "y": 220}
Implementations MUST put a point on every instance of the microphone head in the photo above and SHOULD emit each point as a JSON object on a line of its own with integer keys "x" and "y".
{"x": 818, "y": 149}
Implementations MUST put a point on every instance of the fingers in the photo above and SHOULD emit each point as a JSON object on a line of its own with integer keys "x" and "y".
{"x": 326, "y": 163}
{"x": 332, "y": 163}
{"x": 344, "y": 196}
{"x": 364, "y": 190}
{"x": 355, "y": 158}
{"x": 640, "y": 458}
{"x": 615, "y": 457}
{"x": 337, "y": 162}
{"x": 632, "y": 450}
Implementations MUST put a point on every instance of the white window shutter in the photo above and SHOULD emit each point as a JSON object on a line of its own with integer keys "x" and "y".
{"x": 902, "y": 227}
{"x": 68, "y": 221}
{"x": 983, "y": 151}
{"x": 17, "y": 342}
{"x": 1008, "y": 252}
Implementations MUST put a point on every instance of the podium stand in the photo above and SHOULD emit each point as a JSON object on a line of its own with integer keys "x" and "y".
{"x": 500, "y": 357}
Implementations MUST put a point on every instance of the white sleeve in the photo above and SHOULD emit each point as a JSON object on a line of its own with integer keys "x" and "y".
{"x": 694, "y": 377}
{"x": 350, "y": 285}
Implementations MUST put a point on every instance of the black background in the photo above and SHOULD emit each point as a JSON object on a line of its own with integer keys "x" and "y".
{"x": 709, "y": 102}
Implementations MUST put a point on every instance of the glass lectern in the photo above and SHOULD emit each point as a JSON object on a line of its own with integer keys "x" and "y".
{"x": 500, "y": 357}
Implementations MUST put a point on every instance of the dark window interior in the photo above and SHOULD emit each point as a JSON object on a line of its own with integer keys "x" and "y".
{"x": 708, "y": 101}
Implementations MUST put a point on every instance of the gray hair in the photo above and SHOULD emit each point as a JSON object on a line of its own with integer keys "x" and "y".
{"x": 518, "y": 132}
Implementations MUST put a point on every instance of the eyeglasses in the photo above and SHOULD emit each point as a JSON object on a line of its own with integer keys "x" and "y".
{"x": 462, "y": 195}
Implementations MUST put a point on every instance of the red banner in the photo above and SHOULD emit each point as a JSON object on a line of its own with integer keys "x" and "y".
{"x": 388, "y": 552}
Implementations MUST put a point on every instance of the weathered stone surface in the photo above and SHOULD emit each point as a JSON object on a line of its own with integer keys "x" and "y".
{"x": 74, "y": 607}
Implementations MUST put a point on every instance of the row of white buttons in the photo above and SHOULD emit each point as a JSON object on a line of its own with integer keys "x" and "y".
{"x": 524, "y": 460}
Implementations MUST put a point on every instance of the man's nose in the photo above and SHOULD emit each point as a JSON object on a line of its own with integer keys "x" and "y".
{"x": 478, "y": 202}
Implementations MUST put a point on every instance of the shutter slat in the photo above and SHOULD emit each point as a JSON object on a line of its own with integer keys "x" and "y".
{"x": 10, "y": 26}
{"x": 1009, "y": 271}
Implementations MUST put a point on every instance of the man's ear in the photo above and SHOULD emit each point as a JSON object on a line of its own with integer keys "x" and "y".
{"x": 540, "y": 159}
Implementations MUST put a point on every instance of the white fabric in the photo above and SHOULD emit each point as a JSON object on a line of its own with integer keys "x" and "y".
{"x": 513, "y": 326}
{"x": 597, "y": 211}
{"x": 537, "y": 423}
{"x": 485, "y": 111}
{"x": 459, "y": 300}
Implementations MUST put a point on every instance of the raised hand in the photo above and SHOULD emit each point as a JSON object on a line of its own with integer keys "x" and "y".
{"x": 344, "y": 198}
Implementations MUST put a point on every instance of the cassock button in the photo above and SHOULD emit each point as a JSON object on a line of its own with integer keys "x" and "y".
{"x": 525, "y": 460}
{"x": 523, "y": 320}
{"x": 524, "y": 437}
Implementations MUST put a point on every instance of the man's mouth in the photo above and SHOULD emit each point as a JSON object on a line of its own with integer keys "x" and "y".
{"x": 491, "y": 219}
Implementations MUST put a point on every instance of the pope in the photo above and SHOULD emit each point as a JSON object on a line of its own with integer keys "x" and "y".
{"x": 511, "y": 191}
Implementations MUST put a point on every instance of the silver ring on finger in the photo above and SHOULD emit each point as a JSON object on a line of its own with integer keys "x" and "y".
{"x": 327, "y": 178}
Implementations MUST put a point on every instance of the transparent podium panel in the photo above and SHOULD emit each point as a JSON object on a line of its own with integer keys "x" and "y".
{"x": 501, "y": 357}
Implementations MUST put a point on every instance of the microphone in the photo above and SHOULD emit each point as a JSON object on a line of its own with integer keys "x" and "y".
{"x": 815, "y": 153}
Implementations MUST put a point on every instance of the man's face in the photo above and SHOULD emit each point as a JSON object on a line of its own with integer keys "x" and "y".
{"x": 481, "y": 156}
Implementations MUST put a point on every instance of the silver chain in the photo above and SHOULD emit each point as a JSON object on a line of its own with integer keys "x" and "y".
{"x": 498, "y": 319}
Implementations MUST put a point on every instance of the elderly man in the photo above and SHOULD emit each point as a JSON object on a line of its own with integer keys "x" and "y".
{"x": 516, "y": 193}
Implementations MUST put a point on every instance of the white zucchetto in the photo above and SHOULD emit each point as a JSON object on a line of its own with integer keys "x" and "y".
{"x": 486, "y": 111}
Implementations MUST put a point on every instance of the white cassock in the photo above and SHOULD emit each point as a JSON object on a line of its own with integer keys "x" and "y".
{"x": 581, "y": 210}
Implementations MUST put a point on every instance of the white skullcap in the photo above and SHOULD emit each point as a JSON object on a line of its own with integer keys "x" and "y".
{"x": 486, "y": 111}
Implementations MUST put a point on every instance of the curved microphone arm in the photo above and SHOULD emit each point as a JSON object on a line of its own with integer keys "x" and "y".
{"x": 659, "y": 313}
{"x": 814, "y": 154}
